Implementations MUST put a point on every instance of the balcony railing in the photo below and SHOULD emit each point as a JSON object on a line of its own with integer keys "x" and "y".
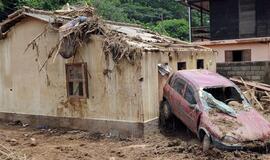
{"x": 201, "y": 33}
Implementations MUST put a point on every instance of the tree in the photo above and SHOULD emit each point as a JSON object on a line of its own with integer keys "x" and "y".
{"x": 177, "y": 28}
{"x": 110, "y": 10}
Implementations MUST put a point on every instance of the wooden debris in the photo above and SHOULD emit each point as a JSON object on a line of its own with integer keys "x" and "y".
{"x": 251, "y": 92}
{"x": 7, "y": 154}
{"x": 252, "y": 84}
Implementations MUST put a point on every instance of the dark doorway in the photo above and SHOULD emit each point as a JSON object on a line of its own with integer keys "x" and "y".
{"x": 200, "y": 64}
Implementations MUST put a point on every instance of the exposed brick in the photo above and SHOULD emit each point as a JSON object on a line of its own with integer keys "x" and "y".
{"x": 235, "y": 68}
{"x": 256, "y": 78}
{"x": 260, "y": 73}
{"x": 263, "y": 68}
{"x": 245, "y": 68}
{"x": 230, "y": 73}
{"x": 249, "y": 73}
{"x": 227, "y": 68}
{"x": 255, "y": 68}
{"x": 247, "y": 77}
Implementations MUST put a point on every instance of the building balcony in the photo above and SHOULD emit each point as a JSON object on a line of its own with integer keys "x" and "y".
{"x": 201, "y": 33}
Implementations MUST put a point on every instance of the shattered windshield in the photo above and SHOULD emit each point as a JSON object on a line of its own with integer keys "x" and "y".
{"x": 229, "y": 100}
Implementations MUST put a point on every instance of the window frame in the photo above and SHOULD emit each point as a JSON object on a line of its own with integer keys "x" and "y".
{"x": 84, "y": 80}
{"x": 186, "y": 88}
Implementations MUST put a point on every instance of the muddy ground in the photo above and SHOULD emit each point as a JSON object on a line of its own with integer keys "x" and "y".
{"x": 52, "y": 144}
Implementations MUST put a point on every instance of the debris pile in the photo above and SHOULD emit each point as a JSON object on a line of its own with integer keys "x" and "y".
{"x": 258, "y": 94}
{"x": 7, "y": 154}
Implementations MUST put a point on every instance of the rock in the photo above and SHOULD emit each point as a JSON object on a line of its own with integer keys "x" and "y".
{"x": 180, "y": 149}
{"x": 237, "y": 154}
{"x": 173, "y": 143}
{"x": 26, "y": 135}
{"x": 12, "y": 142}
{"x": 33, "y": 142}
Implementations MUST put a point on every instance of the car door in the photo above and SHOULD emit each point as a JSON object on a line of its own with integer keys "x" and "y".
{"x": 178, "y": 88}
{"x": 190, "y": 108}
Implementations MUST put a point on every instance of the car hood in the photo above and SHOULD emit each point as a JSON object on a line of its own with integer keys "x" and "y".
{"x": 246, "y": 126}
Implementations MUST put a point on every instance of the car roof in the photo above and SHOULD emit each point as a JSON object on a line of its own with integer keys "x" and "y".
{"x": 204, "y": 78}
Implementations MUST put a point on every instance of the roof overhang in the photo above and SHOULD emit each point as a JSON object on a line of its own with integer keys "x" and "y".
{"x": 234, "y": 41}
{"x": 201, "y": 5}
{"x": 20, "y": 14}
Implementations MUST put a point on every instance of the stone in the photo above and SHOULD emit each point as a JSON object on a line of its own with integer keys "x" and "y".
{"x": 33, "y": 142}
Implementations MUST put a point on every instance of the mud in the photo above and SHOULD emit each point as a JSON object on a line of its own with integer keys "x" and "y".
{"x": 225, "y": 124}
{"x": 70, "y": 145}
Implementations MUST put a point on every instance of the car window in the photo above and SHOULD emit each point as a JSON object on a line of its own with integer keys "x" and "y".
{"x": 179, "y": 85}
{"x": 171, "y": 80}
{"x": 189, "y": 95}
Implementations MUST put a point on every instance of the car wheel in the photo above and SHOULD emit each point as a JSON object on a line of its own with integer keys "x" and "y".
{"x": 206, "y": 143}
{"x": 164, "y": 114}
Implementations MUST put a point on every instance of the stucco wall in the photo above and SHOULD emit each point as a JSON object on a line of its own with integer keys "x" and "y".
{"x": 153, "y": 83}
{"x": 259, "y": 51}
{"x": 25, "y": 90}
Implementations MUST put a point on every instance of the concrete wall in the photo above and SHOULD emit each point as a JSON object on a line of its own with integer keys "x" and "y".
{"x": 252, "y": 71}
{"x": 259, "y": 51}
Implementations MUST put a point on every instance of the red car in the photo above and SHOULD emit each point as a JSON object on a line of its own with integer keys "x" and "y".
{"x": 215, "y": 109}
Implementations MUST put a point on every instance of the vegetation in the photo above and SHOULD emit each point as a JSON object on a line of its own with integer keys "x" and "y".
{"x": 164, "y": 16}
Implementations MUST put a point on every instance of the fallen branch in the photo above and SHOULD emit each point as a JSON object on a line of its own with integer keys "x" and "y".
{"x": 33, "y": 42}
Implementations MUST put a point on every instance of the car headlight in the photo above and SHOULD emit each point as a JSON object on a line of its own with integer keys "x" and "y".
{"x": 230, "y": 140}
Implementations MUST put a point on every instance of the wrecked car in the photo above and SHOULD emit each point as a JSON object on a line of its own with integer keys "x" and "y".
{"x": 213, "y": 108}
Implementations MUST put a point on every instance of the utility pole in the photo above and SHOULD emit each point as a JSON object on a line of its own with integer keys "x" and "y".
{"x": 189, "y": 23}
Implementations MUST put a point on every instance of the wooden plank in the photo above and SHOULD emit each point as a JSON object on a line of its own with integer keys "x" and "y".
{"x": 252, "y": 93}
{"x": 251, "y": 84}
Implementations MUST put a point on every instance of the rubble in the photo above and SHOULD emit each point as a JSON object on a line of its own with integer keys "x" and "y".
{"x": 257, "y": 94}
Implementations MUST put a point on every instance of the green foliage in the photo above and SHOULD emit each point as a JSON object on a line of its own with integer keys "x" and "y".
{"x": 110, "y": 10}
{"x": 177, "y": 28}
{"x": 46, "y": 5}
{"x": 145, "y": 14}
{"x": 1, "y": 6}
{"x": 167, "y": 17}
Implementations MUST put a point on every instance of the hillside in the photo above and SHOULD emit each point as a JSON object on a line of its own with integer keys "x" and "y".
{"x": 164, "y": 16}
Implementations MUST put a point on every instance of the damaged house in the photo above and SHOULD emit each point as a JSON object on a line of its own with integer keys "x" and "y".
{"x": 72, "y": 69}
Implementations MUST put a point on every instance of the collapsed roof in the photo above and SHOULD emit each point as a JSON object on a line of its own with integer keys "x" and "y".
{"x": 132, "y": 35}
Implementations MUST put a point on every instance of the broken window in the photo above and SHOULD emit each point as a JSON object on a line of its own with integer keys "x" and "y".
{"x": 200, "y": 64}
{"x": 77, "y": 82}
{"x": 179, "y": 86}
{"x": 181, "y": 65}
{"x": 238, "y": 55}
{"x": 225, "y": 94}
{"x": 189, "y": 95}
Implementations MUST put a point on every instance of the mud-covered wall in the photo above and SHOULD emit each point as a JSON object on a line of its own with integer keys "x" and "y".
{"x": 24, "y": 89}
{"x": 153, "y": 82}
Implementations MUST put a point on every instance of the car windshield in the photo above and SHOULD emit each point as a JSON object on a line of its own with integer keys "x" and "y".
{"x": 227, "y": 99}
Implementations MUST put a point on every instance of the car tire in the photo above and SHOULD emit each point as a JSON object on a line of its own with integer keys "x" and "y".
{"x": 165, "y": 114}
{"x": 206, "y": 143}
